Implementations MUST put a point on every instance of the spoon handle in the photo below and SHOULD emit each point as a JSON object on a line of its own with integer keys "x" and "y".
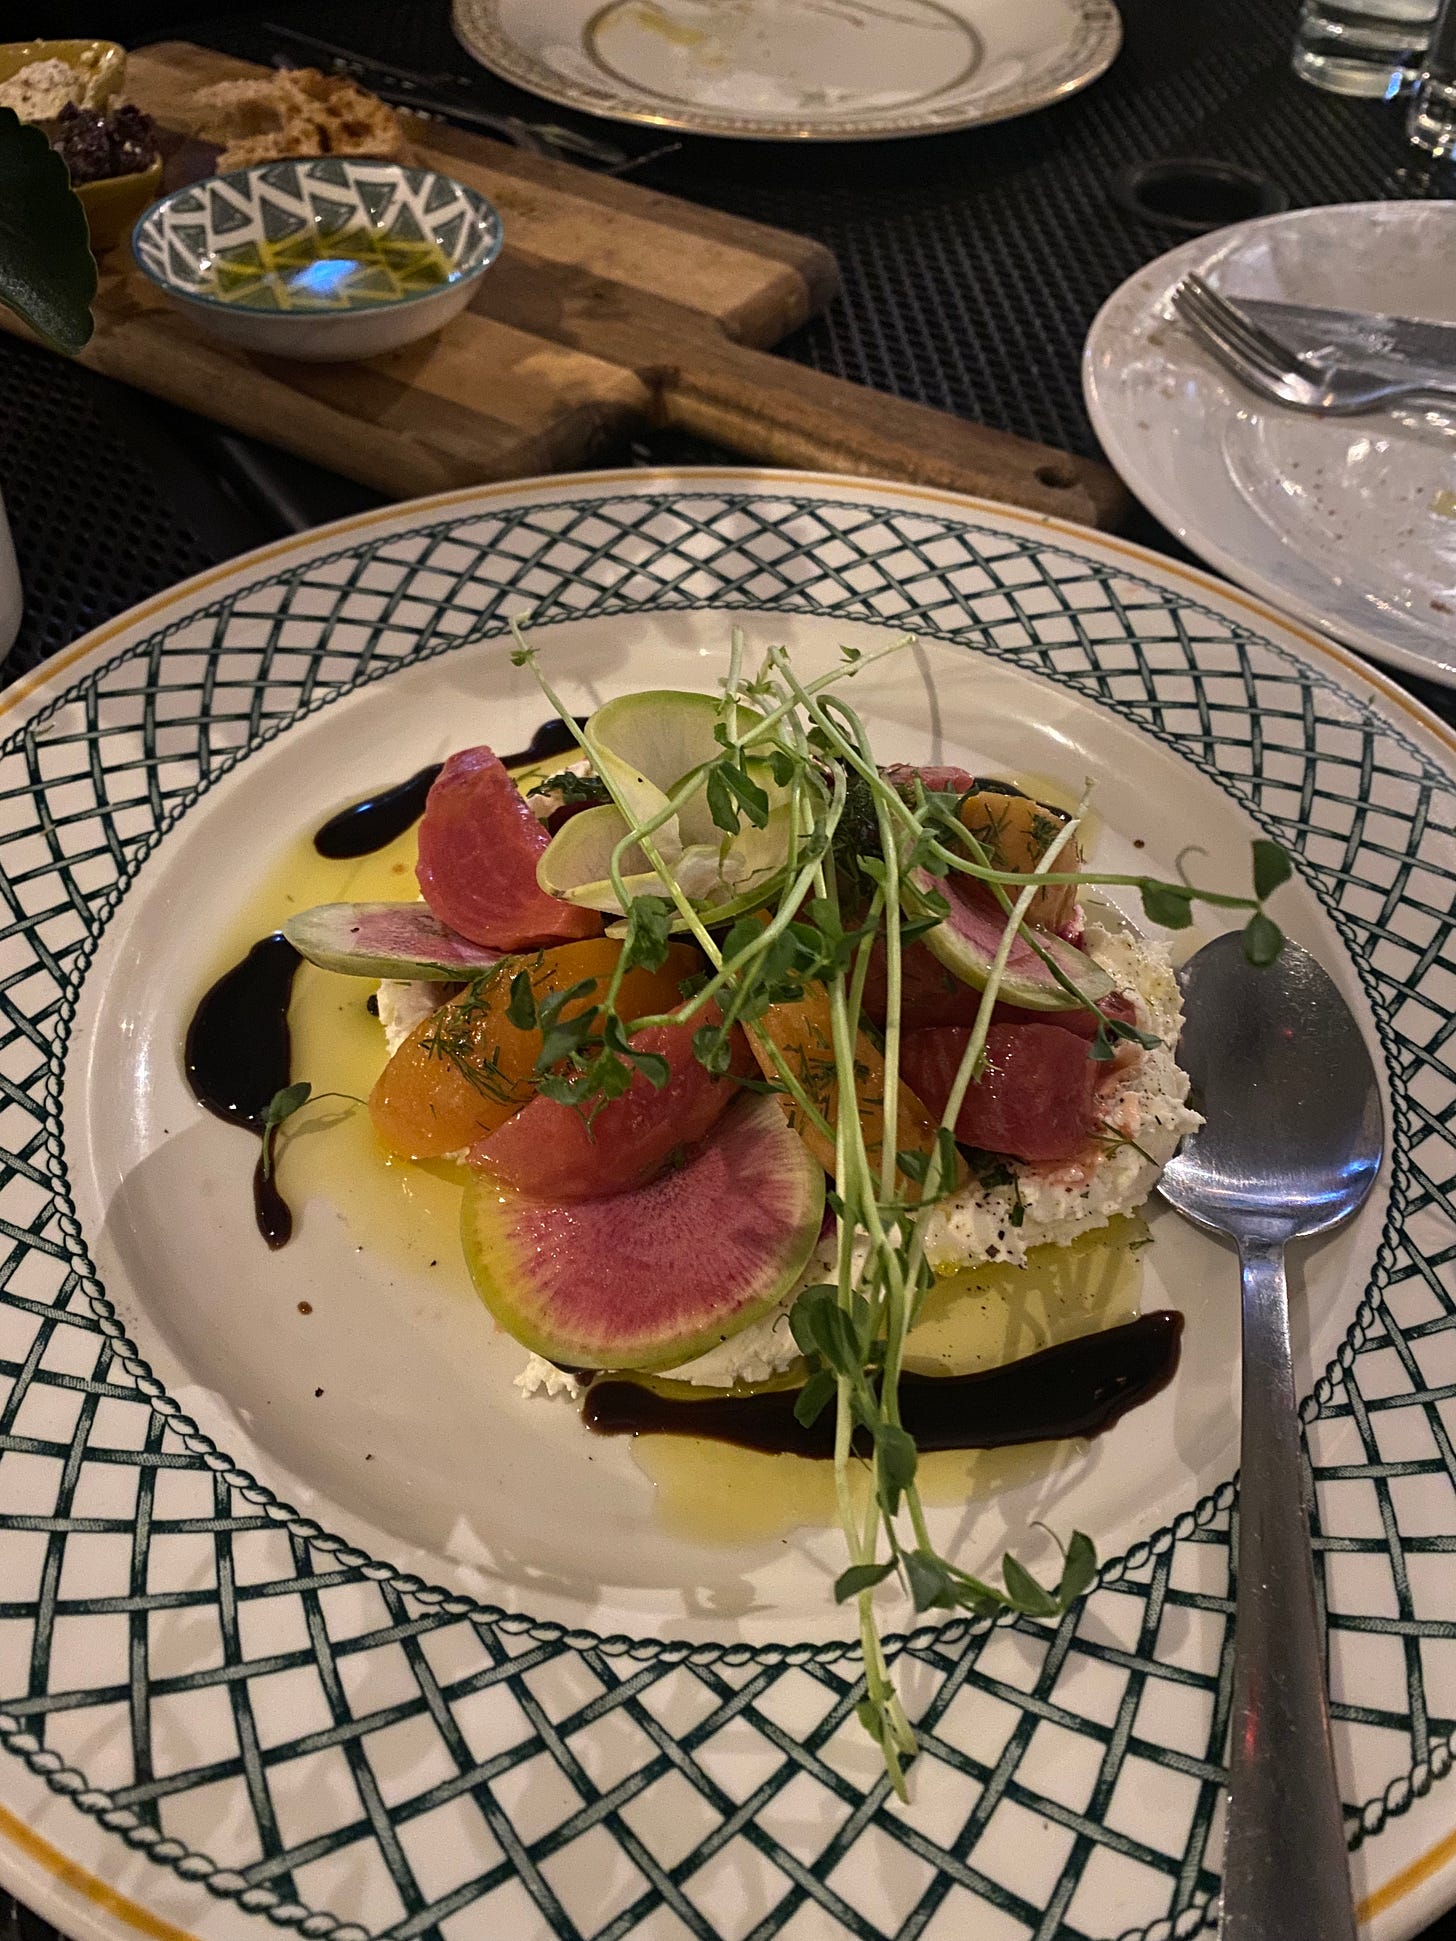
{"x": 1286, "y": 1869}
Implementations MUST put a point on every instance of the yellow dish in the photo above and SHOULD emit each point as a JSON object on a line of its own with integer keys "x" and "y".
{"x": 112, "y": 206}
{"x": 102, "y": 62}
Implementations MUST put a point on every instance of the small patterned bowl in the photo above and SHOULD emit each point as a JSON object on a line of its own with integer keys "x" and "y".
{"x": 327, "y": 259}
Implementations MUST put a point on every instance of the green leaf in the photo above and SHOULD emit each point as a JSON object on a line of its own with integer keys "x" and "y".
{"x": 931, "y": 1584}
{"x": 652, "y": 1065}
{"x": 804, "y": 1322}
{"x": 898, "y": 1455}
{"x": 721, "y": 806}
{"x": 1079, "y": 1567}
{"x": 521, "y": 1010}
{"x": 1263, "y": 940}
{"x": 284, "y": 1104}
{"x": 1149, "y": 1040}
{"x": 649, "y": 922}
{"x": 1271, "y": 867}
{"x": 712, "y": 1049}
{"x": 752, "y": 797}
{"x": 814, "y": 1397}
{"x": 913, "y": 1164}
{"x": 47, "y": 273}
{"x": 860, "y": 1577}
{"x": 1167, "y": 904}
{"x": 1024, "y": 1593}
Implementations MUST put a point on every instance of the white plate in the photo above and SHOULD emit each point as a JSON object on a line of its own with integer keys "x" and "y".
{"x": 796, "y": 70}
{"x": 309, "y": 1620}
{"x": 1347, "y": 523}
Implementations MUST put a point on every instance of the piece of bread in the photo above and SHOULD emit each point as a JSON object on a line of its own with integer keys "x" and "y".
{"x": 297, "y": 111}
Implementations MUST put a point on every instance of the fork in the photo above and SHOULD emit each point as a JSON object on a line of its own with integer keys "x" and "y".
{"x": 1277, "y": 372}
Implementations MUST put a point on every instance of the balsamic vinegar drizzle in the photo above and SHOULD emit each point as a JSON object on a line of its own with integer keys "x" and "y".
{"x": 376, "y": 821}
{"x": 1076, "y": 1388}
{"x": 236, "y": 1058}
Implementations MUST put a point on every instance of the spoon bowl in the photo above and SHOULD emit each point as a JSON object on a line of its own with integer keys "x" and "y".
{"x": 1292, "y": 1132}
{"x": 1290, "y": 1146}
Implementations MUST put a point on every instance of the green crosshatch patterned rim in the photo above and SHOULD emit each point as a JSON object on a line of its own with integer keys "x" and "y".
{"x": 1021, "y": 593}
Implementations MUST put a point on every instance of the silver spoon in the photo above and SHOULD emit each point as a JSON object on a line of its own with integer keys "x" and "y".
{"x": 1291, "y": 1146}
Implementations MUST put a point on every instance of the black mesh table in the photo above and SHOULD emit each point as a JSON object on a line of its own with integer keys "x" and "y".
{"x": 973, "y": 265}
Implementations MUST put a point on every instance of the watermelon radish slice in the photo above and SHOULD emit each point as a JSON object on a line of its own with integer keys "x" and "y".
{"x": 385, "y": 940}
{"x": 653, "y": 1277}
{"x": 968, "y": 939}
{"x": 549, "y": 1151}
{"x": 479, "y": 846}
{"x": 1035, "y": 1098}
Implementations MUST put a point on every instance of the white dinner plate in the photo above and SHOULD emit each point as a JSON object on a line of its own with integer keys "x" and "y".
{"x": 1347, "y": 523}
{"x": 796, "y": 70}
{"x": 310, "y": 1621}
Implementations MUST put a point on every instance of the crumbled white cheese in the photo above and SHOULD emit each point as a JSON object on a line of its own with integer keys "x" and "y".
{"x": 1144, "y": 1101}
{"x": 403, "y": 1002}
{"x": 542, "y": 1377}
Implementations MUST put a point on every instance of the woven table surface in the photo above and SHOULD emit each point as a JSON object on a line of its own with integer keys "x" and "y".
{"x": 973, "y": 265}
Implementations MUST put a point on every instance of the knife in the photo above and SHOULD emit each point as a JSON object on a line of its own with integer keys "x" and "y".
{"x": 1393, "y": 346}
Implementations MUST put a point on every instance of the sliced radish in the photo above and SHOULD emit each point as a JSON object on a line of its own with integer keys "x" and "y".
{"x": 385, "y": 940}
{"x": 654, "y": 1277}
{"x": 967, "y": 941}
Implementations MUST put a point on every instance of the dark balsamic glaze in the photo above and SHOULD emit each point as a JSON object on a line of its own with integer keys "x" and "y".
{"x": 236, "y": 1057}
{"x": 375, "y": 822}
{"x": 1077, "y": 1388}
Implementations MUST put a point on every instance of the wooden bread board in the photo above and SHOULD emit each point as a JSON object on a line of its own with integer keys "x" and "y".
{"x": 611, "y": 308}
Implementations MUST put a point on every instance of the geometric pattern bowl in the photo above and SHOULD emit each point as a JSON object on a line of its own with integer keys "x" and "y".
{"x": 254, "y": 1679}
{"x": 321, "y": 259}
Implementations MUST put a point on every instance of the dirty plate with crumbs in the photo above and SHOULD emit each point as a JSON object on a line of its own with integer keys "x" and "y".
{"x": 1347, "y": 523}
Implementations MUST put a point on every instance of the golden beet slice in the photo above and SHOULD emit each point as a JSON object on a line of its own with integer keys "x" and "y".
{"x": 802, "y": 1032}
{"x": 462, "y": 1072}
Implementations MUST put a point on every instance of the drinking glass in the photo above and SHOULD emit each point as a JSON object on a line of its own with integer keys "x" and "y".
{"x": 1370, "y": 47}
{"x": 1431, "y": 117}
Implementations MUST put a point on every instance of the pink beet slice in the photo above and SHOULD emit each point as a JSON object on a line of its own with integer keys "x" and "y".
{"x": 653, "y": 1277}
{"x": 550, "y": 1151}
{"x": 479, "y": 846}
{"x": 1035, "y": 1098}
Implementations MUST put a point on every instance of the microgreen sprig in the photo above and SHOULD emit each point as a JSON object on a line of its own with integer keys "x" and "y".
{"x": 284, "y": 1103}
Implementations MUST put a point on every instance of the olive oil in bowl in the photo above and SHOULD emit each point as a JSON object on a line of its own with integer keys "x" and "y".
{"x": 314, "y": 270}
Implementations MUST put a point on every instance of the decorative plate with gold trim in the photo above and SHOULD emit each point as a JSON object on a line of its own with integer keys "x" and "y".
{"x": 796, "y": 70}
{"x": 310, "y": 1621}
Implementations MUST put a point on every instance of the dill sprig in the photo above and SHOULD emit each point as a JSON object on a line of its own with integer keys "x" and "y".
{"x": 863, "y": 864}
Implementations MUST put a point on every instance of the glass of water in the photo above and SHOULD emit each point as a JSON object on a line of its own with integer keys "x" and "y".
{"x": 1371, "y": 47}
